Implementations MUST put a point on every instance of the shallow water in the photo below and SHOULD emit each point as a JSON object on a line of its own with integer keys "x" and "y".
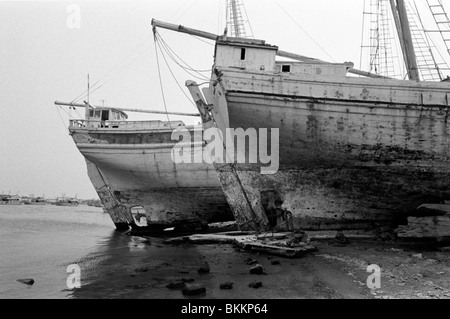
{"x": 40, "y": 242}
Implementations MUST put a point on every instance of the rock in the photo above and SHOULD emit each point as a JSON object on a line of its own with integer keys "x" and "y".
{"x": 250, "y": 261}
{"x": 419, "y": 256}
{"x": 226, "y": 285}
{"x": 275, "y": 262}
{"x": 141, "y": 269}
{"x": 204, "y": 269}
{"x": 176, "y": 284}
{"x": 341, "y": 238}
{"x": 255, "y": 284}
{"x": 26, "y": 281}
{"x": 431, "y": 261}
{"x": 194, "y": 290}
{"x": 256, "y": 270}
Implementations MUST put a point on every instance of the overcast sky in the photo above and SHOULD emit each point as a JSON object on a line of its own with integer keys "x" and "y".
{"x": 44, "y": 57}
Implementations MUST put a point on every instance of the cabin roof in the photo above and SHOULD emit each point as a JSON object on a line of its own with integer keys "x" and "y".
{"x": 109, "y": 109}
{"x": 245, "y": 42}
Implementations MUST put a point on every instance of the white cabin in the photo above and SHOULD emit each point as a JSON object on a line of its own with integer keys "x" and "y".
{"x": 245, "y": 54}
{"x": 256, "y": 55}
{"x": 99, "y": 116}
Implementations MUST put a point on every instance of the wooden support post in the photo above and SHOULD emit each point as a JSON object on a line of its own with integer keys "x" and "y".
{"x": 245, "y": 215}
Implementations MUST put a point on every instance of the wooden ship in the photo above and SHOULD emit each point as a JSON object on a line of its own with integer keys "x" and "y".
{"x": 356, "y": 149}
{"x": 130, "y": 166}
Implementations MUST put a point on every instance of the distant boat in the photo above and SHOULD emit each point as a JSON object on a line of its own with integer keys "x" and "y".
{"x": 67, "y": 202}
{"x": 10, "y": 200}
{"x": 35, "y": 201}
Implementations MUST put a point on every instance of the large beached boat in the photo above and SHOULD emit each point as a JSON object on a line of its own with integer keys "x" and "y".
{"x": 356, "y": 149}
{"x": 130, "y": 166}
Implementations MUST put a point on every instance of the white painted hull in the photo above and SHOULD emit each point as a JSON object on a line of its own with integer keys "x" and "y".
{"x": 130, "y": 174}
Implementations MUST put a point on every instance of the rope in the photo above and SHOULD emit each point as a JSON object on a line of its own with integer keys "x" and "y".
{"x": 298, "y": 25}
{"x": 170, "y": 51}
{"x": 200, "y": 39}
{"x": 161, "y": 84}
{"x": 173, "y": 76}
{"x": 62, "y": 120}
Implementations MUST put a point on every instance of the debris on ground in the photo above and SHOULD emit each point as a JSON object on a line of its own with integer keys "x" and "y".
{"x": 226, "y": 285}
{"x": 26, "y": 281}
{"x": 257, "y": 270}
{"x": 341, "y": 238}
{"x": 282, "y": 244}
{"x": 250, "y": 261}
{"x": 255, "y": 284}
{"x": 204, "y": 269}
{"x": 193, "y": 290}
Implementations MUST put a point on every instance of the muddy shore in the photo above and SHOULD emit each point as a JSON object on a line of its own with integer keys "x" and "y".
{"x": 142, "y": 267}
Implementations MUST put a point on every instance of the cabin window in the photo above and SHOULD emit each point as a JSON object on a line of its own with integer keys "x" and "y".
{"x": 91, "y": 113}
{"x": 242, "y": 53}
{"x": 285, "y": 68}
{"x": 97, "y": 113}
{"x": 105, "y": 115}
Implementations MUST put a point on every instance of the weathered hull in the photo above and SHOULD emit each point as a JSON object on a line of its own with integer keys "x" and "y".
{"x": 352, "y": 152}
{"x": 135, "y": 169}
{"x": 119, "y": 214}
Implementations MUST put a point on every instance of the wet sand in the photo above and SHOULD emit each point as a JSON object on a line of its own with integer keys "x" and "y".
{"x": 142, "y": 270}
{"x": 40, "y": 243}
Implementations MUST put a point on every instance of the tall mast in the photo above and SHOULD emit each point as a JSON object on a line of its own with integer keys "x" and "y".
{"x": 86, "y": 112}
{"x": 398, "y": 26}
{"x": 404, "y": 34}
{"x": 234, "y": 21}
{"x": 235, "y": 18}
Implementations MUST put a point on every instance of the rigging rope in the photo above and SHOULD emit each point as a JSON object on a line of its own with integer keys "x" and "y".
{"x": 188, "y": 67}
{"x": 304, "y": 31}
{"x": 160, "y": 82}
{"x": 170, "y": 70}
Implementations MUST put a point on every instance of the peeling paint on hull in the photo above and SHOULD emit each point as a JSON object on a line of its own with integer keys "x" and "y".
{"x": 370, "y": 154}
{"x": 136, "y": 170}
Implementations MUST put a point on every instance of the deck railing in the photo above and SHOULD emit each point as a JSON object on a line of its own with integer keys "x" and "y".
{"x": 122, "y": 125}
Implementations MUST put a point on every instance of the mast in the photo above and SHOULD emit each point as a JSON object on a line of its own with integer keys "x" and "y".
{"x": 86, "y": 112}
{"x": 235, "y": 19}
{"x": 404, "y": 34}
{"x": 236, "y": 26}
